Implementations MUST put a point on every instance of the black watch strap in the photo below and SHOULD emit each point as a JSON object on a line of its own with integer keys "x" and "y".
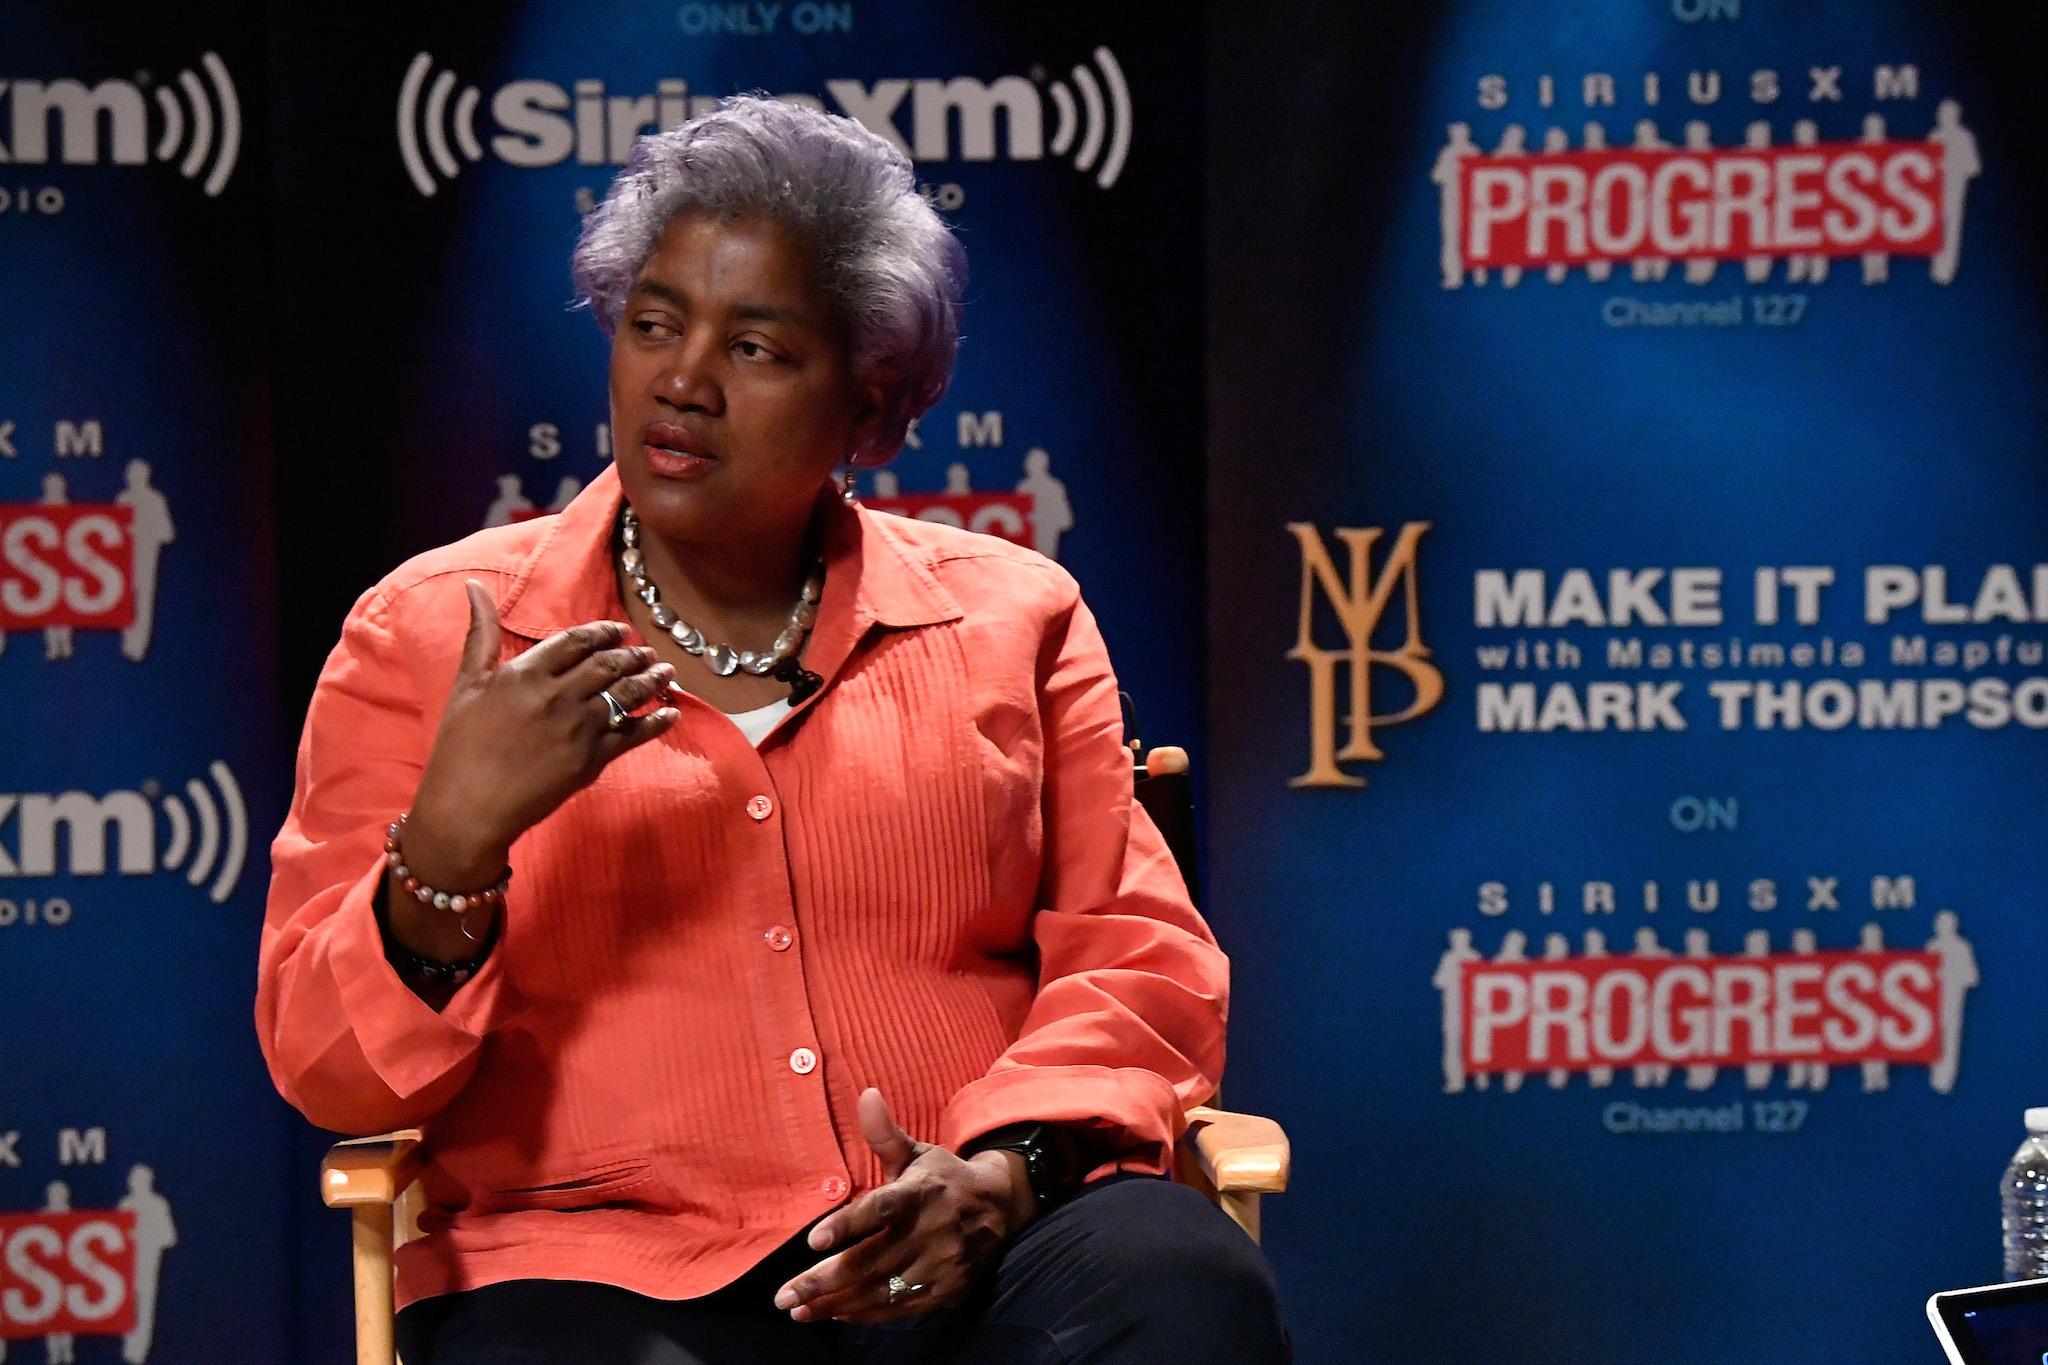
{"x": 1051, "y": 1152}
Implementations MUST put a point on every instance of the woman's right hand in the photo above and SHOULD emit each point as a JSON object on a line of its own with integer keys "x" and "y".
{"x": 517, "y": 739}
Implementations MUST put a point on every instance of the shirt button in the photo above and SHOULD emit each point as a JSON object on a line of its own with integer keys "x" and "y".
{"x": 760, "y": 807}
{"x": 835, "y": 1188}
{"x": 779, "y": 939}
{"x": 803, "y": 1061}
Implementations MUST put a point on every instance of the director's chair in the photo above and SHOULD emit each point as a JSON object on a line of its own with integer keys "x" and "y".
{"x": 1231, "y": 1158}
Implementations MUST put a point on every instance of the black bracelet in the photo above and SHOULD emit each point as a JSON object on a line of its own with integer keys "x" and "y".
{"x": 432, "y": 971}
{"x": 427, "y": 970}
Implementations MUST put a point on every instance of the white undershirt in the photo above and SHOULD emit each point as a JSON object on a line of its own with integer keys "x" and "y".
{"x": 756, "y": 724}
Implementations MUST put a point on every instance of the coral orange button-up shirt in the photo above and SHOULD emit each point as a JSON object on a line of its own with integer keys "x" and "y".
{"x": 930, "y": 877}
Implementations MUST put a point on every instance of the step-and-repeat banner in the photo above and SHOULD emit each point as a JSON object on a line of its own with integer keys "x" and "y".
{"x": 1625, "y": 629}
{"x": 143, "y": 1181}
{"x": 1627, "y": 668}
{"x": 283, "y": 300}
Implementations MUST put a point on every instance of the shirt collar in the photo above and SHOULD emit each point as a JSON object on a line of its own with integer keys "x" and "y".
{"x": 874, "y": 574}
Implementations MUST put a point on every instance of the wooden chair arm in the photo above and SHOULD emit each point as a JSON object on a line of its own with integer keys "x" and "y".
{"x": 370, "y": 1170}
{"x": 1238, "y": 1153}
{"x": 1165, "y": 760}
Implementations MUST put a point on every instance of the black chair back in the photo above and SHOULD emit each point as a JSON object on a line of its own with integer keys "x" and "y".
{"x": 1164, "y": 790}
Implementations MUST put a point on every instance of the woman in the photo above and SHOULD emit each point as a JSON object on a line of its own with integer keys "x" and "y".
{"x": 744, "y": 889}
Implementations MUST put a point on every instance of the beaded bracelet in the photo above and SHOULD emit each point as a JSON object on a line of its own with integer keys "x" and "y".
{"x": 441, "y": 900}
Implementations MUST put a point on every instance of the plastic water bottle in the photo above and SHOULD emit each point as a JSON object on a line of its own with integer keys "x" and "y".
{"x": 2025, "y": 1198}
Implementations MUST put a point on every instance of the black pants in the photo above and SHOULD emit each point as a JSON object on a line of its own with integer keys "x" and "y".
{"x": 1135, "y": 1270}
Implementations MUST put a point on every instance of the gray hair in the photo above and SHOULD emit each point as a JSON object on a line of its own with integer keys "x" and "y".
{"x": 886, "y": 258}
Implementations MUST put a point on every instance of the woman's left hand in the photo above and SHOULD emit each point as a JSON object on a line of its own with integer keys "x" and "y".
{"x": 937, "y": 1222}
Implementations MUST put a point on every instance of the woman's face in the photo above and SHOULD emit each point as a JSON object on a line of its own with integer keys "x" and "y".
{"x": 732, "y": 386}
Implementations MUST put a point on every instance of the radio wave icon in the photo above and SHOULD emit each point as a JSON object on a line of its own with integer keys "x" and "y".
{"x": 213, "y": 116}
{"x": 227, "y": 817}
{"x": 435, "y": 119}
{"x": 1094, "y": 123}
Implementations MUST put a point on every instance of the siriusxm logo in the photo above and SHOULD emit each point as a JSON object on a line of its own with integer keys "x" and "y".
{"x": 539, "y": 123}
{"x": 197, "y": 124}
{"x": 205, "y": 836}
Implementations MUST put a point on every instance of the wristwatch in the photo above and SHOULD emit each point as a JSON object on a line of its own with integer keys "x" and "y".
{"x": 1051, "y": 1157}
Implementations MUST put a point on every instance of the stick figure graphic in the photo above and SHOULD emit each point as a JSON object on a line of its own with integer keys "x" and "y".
{"x": 155, "y": 1233}
{"x": 1805, "y": 1075}
{"x": 1958, "y": 977}
{"x": 1811, "y": 266}
{"x": 1593, "y": 138}
{"x": 1757, "y": 136}
{"x": 1877, "y": 265}
{"x": 1449, "y": 982}
{"x": 57, "y": 640}
{"x": 1877, "y": 1073}
{"x": 1648, "y": 1074}
{"x": 1450, "y": 182}
{"x": 1756, "y": 943}
{"x": 1699, "y": 269}
{"x": 1959, "y": 166}
{"x": 59, "y": 1348}
{"x": 1648, "y": 267}
{"x": 1698, "y": 1077}
{"x": 1513, "y": 142}
{"x": 1051, "y": 514}
{"x": 1599, "y": 1077}
{"x": 1556, "y": 140}
{"x": 150, "y": 529}
{"x": 511, "y": 499}
{"x": 1514, "y": 947}
{"x": 1556, "y": 948}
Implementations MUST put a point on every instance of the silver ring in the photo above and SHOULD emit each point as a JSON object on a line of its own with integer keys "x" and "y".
{"x": 619, "y": 714}
{"x": 900, "y": 1288}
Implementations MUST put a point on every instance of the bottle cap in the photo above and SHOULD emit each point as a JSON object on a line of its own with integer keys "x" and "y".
{"x": 2037, "y": 1120}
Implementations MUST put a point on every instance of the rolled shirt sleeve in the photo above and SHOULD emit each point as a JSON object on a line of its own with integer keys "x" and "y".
{"x": 1126, "y": 1031}
{"x": 347, "y": 1042}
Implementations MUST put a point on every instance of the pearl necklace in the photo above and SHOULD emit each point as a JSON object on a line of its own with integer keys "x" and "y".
{"x": 722, "y": 659}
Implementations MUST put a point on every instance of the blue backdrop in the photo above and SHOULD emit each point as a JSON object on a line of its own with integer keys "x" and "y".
{"x": 1738, "y": 1212}
{"x": 286, "y": 301}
